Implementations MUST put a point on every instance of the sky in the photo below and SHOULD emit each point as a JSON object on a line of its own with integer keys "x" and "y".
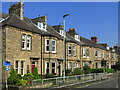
{"x": 88, "y": 18}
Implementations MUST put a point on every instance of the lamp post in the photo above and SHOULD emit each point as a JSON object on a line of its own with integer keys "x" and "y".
{"x": 64, "y": 43}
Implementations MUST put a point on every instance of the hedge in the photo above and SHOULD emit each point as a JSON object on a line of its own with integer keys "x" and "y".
{"x": 96, "y": 70}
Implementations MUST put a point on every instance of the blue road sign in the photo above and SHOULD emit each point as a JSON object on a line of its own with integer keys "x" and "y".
{"x": 7, "y": 68}
{"x": 7, "y": 63}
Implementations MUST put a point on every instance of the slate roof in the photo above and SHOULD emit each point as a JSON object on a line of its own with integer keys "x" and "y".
{"x": 3, "y": 15}
{"x": 58, "y": 28}
{"x": 73, "y": 33}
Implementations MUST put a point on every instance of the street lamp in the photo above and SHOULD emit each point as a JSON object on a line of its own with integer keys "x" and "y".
{"x": 64, "y": 43}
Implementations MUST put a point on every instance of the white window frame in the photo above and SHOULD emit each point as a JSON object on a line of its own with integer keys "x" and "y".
{"x": 99, "y": 53}
{"x": 95, "y": 53}
{"x": 99, "y": 64}
{"x": 17, "y": 67}
{"x": 70, "y": 68}
{"x": 40, "y": 25}
{"x": 84, "y": 64}
{"x": 47, "y": 45}
{"x": 87, "y": 52}
{"x": 23, "y": 67}
{"x": 69, "y": 45}
{"x": 29, "y": 38}
{"x": 61, "y": 32}
{"x": 74, "y": 66}
{"x": 74, "y": 50}
{"x": 46, "y": 67}
{"x": 24, "y": 37}
{"x": 54, "y": 46}
{"x": 77, "y": 65}
{"x": 54, "y": 67}
{"x": 84, "y": 52}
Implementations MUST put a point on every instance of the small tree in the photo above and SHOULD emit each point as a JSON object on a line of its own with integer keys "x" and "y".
{"x": 35, "y": 73}
{"x": 68, "y": 71}
{"x": 86, "y": 69}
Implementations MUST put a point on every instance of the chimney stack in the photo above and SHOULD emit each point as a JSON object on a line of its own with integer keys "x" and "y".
{"x": 94, "y": 38}
{"x": 44, "y": 18}
{"x": 17, "y": 9}
{"x": 71, "y": 29}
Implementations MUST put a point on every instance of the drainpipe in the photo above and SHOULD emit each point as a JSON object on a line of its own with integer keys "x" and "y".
{"x": 41, "y": 55}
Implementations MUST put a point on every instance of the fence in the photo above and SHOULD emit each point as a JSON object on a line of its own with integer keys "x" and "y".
{"x": 67, "y": 81}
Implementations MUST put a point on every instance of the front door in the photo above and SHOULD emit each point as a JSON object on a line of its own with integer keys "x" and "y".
{"x": 60, "y": 69}
{"x": 33, "y": 66}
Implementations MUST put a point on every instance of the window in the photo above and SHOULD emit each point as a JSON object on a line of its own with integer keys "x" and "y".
{"x": 23, "y": 41}
{"x": 95, "y": 52}
{"x": 69, "y": 49}
{"x": 22, "y": 67}
{"x": 47, "y": 67}
{"x": 74, "y": 66}
{"x": 44, "y": 26}
{"x": 99, "y": 65}
{"x": 87, "y": 52}
{"x": 84, "y": 52}
{"x": 107, "y": 55}
{"x": 74, "y": 50}
{"x": 99, "y": 54}
{"x": 47, "y": 45}
{"x": 77, "y": 37}
{"x": 53, "y": 67}
{"x": 77, "y": 65}
{"x": 17, "y": 66}
{"x": 112, "y": 55}
{"x": 54, "y": 46}
{"x": 103, "y": 54}
{"x": 39, "y": 25}
{"x": 96, "y": 64}
{"x": 84, "y": 64}
{"x": 107, "y": 65}
{"x": 28, "y": 42}
{"x": 61, "y": 32}
{"x": 70, "y": 66}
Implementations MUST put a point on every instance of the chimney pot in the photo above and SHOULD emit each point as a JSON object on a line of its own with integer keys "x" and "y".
{"x": 71, "y": 29}
{"x": 94, "y": 38}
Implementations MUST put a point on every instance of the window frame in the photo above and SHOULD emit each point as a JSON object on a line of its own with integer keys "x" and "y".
{"x": 96, "y": 53}
{"x": 87, "y": 53}
{"x": 70, "y": 68}
{"x": 30, "y": 44}
{"x": 23, "y": 42}
{"x": 17, "y": 67}
{"x": 46, "y": 67}
{"x": 23, "y": 68}
{"x": 47, "y": 45}
{"x": 74, "y": 50}
{"x": 54, "y": 67}
{"x": 69, "y": 45}
{"x": 84, "y": 52}
{"x": 54, "y": 46}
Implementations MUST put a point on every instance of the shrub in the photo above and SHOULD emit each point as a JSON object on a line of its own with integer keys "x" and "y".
{"x": 86, "y": 69}
{"x": 21, "y": 82}
{"x": 29, "y": 77}
{"x": 78, "y": 71}
{"x": 96, "y": 70}
{"x": 35, "y": 74}
{"x": 109, "y": 70}
{"x": 49, "y": 75}
{"x": 68, "y": 71}
{"x": 12, "y": 80}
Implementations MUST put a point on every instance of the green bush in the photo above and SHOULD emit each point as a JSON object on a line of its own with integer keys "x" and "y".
{"x": 86, "y": 69}
{"x": 14, "y": 77}
{"x": 35, "y": 74}
{"x": 68, "y": 71}
{"x": 78, "y": 71}
{"x": 49, "y": 75}
{"x": 22, "y": 82}
{"x": 109, "y": 70}
{"x": 29, "y": 77}
{"x": 96, "y": 70}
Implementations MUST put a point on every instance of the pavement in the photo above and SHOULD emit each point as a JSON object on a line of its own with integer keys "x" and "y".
{"x": 110, "y": 82}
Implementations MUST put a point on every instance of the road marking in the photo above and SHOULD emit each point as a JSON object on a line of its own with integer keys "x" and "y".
{"x": 87, "y": 85}
{"x": 99, "y": 82}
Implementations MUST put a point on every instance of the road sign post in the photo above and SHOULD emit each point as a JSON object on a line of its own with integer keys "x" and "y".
{"x": 7, "y": 64}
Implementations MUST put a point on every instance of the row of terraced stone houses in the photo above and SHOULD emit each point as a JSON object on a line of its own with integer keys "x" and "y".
{"x": 30, "y": 43}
